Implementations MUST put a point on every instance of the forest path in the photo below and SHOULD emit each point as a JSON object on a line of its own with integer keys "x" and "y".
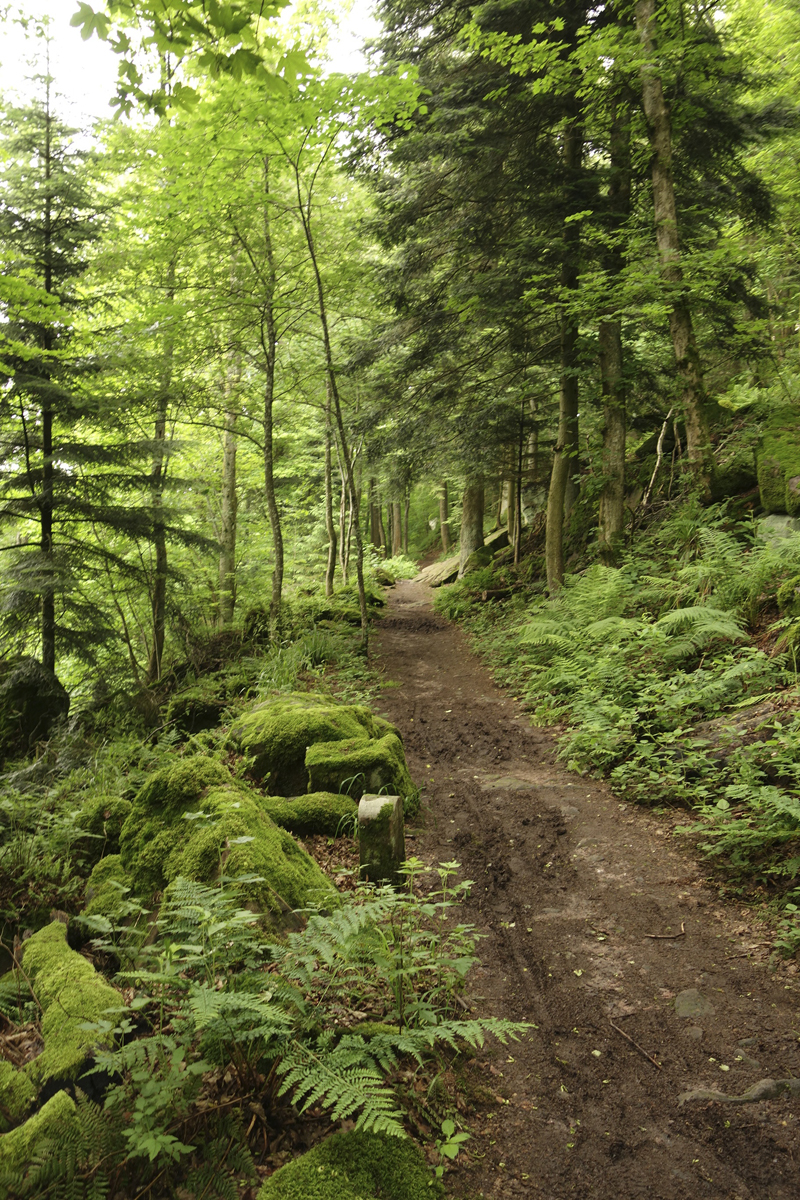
{"x": 568, "y": 881}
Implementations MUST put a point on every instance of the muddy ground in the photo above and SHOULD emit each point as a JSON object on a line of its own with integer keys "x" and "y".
{"x": 598, "y": 923}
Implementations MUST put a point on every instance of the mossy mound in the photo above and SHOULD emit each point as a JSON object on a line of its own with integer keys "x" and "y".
{"x": 318, "y": 812}
{"x": 788, "y": 597}
{"x": 31, "y": 701}
{"x": 355, "y": 1166}
{"x": 48, "y": 1125}
{"x": 105, "y": 887}
{"x": 778, "y": 464}
{"x": 193, "y": 820}
{"x": 360, "y": 765}
{"x": 17, "y": 1094}
{"x": 70, "y": 993}
{"x": 102, "y": 817}
{"x": 277, "y": 734}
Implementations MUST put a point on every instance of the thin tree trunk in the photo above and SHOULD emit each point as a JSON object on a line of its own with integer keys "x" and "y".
{"x": 382, "y": 539}
{"x": 229, "y": 505}
{"x": 444, "y": 517}
{"x": 471, "y": 520}
{"x": 611, "y": 520}
{"x": 374, "y": 515}
{"x": 330, "y": 569}
{"x": 269, "y": 341}
{"x": 518, "y": 504}
{"x": 566, "y": 448}
{"x": 157, "y": 478}
{"x": 46, "y": 501}
{"x": 305, "y": 216}
{"x": 407, "y": 514}
{"x": 687, "y": 358}
{"x": 397, "y": 528}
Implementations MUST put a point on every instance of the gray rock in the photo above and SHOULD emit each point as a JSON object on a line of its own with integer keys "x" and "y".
{"x": 31, "y": 701}
{"x": 381, "y": 843}
{"x": 692, "y": 1004}
{"x": 694, "y": 1032}
{"x": 777, "y": 527}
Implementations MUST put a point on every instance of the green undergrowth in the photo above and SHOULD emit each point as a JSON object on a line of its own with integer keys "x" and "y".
{"x": 222, "y": 1023}
{"x": 675, "y": 675}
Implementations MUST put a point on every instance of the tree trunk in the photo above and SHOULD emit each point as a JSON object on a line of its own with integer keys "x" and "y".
{"x": 229, "y": 505}
{"x": 382, "y": 539}
{"x": 158, "y": 472}
{"x": 330, "y": 569}
{"x": 374, "y": 515}
{"x": 444, "y": 521}
{"x": 471, "y": 520}
{"x": 269, "y": 342}
{"x": 397, "y": 528}
{"x": 518, "y": 498}
{"x": 612, "y": 498}
{"x": 305, "y": 217}
{"x": 407, "y": 514}
{"x": 687, "y": 358}
{"x": 46, "y": 499}
{"x": 565, "y": 456}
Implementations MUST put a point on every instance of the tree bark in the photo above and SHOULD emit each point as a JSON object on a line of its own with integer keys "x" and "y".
{"x": 229, "y": 500}
{"x": 305, "y": 217}
{"x": 397, "y": 528}
{"x": 444, "y": 517}
{"x": 687, "y": 358}
{"x": 158, "y": 472}
{"x": 565, "y": 456}
{"x": 471, "y": 520}
{"x": 407, "y": 513}
{"x": 612, "y": 498}
{"x": 269, "y": 342}
{"x": 46, "y": 498}
{"x": 330, "y": 569}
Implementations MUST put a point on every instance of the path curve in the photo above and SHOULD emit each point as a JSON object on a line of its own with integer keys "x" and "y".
{"x": 569, "y": 883}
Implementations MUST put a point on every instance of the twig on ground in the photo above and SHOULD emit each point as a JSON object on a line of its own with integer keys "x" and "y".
{"x": 635, "y": 1045}
{"x": 667, "y": 937}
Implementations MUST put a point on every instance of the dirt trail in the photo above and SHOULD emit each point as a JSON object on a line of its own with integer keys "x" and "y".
{"x": 568, "y": 883}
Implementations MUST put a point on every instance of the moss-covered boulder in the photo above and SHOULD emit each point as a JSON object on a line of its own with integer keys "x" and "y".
{"x": 102, "y": 818}
{"x": 778, "y": 463}
{"x": 318, "y": 812}
{"x": 278, "y": 733}
{"x": 41, "y": 1134}
{"x": 107, "y": 887}
{"x": 17, "y": 1094}
{"x": 193, "y": 820}
{"x": 70, "y": 993}
{"x": 355, "y": 1166}
{"x": 358, "y": 765}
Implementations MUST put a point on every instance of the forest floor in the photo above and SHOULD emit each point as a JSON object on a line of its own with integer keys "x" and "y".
{"x": 602, "y": 930}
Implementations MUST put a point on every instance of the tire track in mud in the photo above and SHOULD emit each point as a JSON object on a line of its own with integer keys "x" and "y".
{"x": 569, "y": 885}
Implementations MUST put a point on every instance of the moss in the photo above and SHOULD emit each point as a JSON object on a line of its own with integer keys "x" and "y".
{"x": 778, "y": 464}
{"x": 17, "y": 1094}
{"x": 102, "y": 896}
{"x": 318, "y": 812}
{"x": 277, "y": 734}
{"x": 18, "y": 1147}
{"x": 103, "y": 818}
{"x": 70, "y": 993}
{"x": 360, "y": 765}
{"x": 355, "y": 1166}
{"x": 231, "y": 832}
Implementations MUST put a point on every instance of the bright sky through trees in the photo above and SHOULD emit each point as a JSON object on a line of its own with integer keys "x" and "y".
{"x": 85, "y": 72}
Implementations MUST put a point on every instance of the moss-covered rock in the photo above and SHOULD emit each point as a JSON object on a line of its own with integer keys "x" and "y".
{"x": 17, "y": 1094}
{"x": 70, "y": 993}
{"x": 48, "y": 1125}
{"x": 788, "y": 597}
{"x": 318, "y": 812}
{"x": 103, "y": 817}
{"x": 778, "y": 463}
{"x": 359, "y": 765}
{"x": 106, "y": 887}
{"x": 193, "y": 820}
{"x": 277, "y": 734}
{"x": 355, "y": 1166}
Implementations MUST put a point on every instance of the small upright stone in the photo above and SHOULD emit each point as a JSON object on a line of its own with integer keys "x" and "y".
{"x": 381, "y": 841}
